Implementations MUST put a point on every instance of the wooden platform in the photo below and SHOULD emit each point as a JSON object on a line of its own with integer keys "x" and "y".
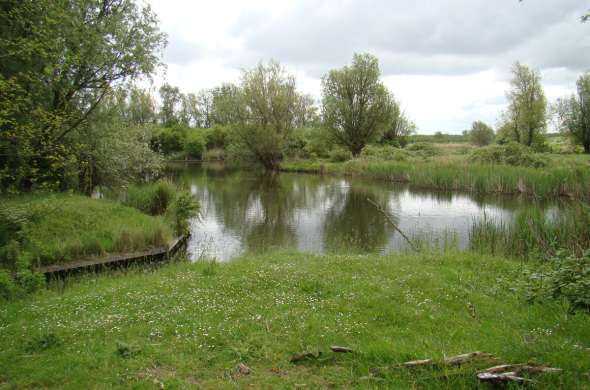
{"x": 152, "y": 255}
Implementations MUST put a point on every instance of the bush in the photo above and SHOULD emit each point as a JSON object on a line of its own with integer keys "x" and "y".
{"x": 195, "y": 145}
{"x": 319, "y": 142}
{"x": 8, "y": 288}
{"x": 216, "y": 137}
{"x": 340, "y": 155}
{"x": 169, "y": 140}
{"x": 509, "y": 154}
{"x": 423, "y": 149}
{"x": 384, "y": 153}
{"x": 481, "y": 134}
{"x": 184, "y": 208}
{"x": 563, "y": 277}
{"x": 153, "y": 199}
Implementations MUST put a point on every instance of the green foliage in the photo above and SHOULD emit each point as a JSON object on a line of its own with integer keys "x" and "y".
{"x": 194, "y": 145}
{"x": 216, "y": 136}
{"x": 152, "y": 198}
{"x": 563, "y": 276}
{"x": 269, "y": 100}
{"x": 509, "y": 154}
{"x": 574, "y": 113}
{"x": 439, "y": 138}
{"x": 385, "y": 153}
{"x": 43, "y": 342}
{"x": 423, "y": 149}
{"x": 63, "y": 228}
{"x": 481, "y": 134}
{"x": 526, "y": 117}
{"x": 168, "y": 140}
{"x": 357, "y": 107}
{"x": 533, "y": 234}
{"x": 184, "y": 208}
{"x": 8, "y": 288}
{"x": 62, "y": 58}
{"x": 340, "y": 155}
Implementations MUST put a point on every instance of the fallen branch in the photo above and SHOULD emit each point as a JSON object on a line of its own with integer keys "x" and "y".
{"x": 522, "y": 368}
{"x": 335, "y": 348}
{"x": 502, "y": 378}
{"x": 382, "y": 211}
{"x": 466, "y": 357}
{"x": 418, "y": 363}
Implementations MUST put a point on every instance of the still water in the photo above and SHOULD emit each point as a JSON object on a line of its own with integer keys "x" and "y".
{"x": 244, "y": 212}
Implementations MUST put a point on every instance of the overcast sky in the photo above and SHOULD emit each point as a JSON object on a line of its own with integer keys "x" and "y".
{"x": 447, "y": 61}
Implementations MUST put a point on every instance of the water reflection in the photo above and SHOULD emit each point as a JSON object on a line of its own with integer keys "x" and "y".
{"x": 245, "y": 212}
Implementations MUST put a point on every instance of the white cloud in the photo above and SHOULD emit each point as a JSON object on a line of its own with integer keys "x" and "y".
{"x": 448, "y": 62}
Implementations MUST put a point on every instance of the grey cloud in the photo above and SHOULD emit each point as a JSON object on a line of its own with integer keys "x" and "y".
{"x": 420, "y": 37}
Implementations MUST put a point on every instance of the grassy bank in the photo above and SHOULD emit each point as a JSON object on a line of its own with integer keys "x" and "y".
{"x": 457, "y": 174}
{"x": 190, "y": 325}
{"x": 58, "y": 228}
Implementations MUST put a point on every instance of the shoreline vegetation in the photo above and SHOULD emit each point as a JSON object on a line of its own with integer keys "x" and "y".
{"x": 456, "y": 175}
{"x": 199, "y": 324}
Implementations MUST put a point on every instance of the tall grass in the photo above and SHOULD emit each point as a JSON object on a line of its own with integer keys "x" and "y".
{"x": 65, "y": 227}
{"x": 534, "y": 233}
{"x": 152, "y": 198}
{"x": 547, "y": 182}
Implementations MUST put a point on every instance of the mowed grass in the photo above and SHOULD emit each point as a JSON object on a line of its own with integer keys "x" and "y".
{"x": 189, "y": 325}
{"x": 64, "y": 227}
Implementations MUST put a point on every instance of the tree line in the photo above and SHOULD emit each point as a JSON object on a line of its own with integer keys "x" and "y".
{"x": 72, "y": 116}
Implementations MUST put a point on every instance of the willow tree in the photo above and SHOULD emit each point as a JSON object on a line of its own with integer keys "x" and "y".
{"x": 526, "y": 117}
{"x": 60, "y": 58}
{"x": 269, "y": 103}
{"x": 357, "y": 107}
{"x": 574, "y": 113}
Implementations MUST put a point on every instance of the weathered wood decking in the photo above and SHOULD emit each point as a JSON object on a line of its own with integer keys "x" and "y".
{"x": 152, "y": 255}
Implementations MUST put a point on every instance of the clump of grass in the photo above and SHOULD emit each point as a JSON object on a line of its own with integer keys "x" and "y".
{"x": 534, "y": 234}
{"x": 72, "y": 226}
{"x": 153, "y": 198}
{"x": 510, "y": 154}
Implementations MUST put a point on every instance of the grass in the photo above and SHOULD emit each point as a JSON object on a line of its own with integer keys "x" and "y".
{"x": 534, "y": 233}
{"x": 570, "y": 178}
{"x": 59, "y": 228}
{"x": 189, "y": 325}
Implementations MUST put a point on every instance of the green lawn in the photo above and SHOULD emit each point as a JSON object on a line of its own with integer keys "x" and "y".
{"x": 189, "y": 325}
{"x": 64, "y": 227}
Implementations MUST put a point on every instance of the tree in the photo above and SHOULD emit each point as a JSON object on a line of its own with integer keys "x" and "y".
{"x": 205, "y": 103}
{"x": 59, "y": 59}
{"x": 227, "y": 108}
{"x": 481, "y": 134}
{"x": 526, "y": 117}
{"x": 171, "y": 98}
{"x": 357, "y": 107}
{"x": 269, "y": 101}
{"x": 574, "y": 113}
{"x": 399, "y": 128}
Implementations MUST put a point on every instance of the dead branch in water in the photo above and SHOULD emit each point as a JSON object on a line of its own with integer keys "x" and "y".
{"x": 382, "y": 211}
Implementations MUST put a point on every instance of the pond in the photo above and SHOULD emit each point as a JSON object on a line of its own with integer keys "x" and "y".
{"x": 246, "y": 212}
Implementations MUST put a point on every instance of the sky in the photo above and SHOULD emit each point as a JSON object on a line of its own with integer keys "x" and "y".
{"x": 447, "y": 61}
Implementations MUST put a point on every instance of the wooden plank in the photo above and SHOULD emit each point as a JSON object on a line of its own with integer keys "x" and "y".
{"x": 160, "y": 252}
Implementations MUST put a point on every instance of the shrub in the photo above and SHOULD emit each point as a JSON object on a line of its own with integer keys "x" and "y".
{"x": 387, "y": 153}
{"x": 509, "y": 154}
{"x": 184, "y": 208}
{"x": 169, "y": 140}
{"x": 423, "y": 149}
{"x": 481, "y": 134}
{"x": 216, "y": 136}
{"x": 153, "y": 199}
{"x": 195, "y": 145}
{"x": 563, "y": 277}
{"x": 8, "y": 288}
{"x": 319, "y": 142}
{"x": 340, "y": 155}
